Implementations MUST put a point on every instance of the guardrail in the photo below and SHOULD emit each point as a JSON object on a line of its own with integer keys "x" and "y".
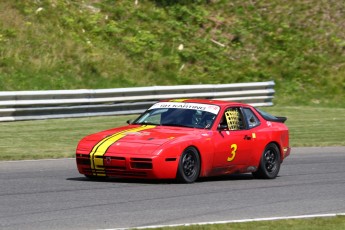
{"x": 31, "y": 105}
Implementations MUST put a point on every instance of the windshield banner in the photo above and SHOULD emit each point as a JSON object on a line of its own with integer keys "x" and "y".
{"x": 180, "y": 105}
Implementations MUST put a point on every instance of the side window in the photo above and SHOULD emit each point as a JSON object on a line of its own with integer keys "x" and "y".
{"x": 251, "y": 119}
{"x": 232, "y": 118}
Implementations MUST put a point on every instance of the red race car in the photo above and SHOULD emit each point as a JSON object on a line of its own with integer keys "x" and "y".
{"x": 188, "y": 139}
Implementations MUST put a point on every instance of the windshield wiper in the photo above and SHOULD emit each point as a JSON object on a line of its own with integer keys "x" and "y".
{"x": 145, "y": 123}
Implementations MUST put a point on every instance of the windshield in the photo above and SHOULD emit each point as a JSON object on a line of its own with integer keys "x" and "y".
{"x": 191, "y": 115}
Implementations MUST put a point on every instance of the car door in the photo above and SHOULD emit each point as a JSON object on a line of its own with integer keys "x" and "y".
{"x": 233, "y": 140}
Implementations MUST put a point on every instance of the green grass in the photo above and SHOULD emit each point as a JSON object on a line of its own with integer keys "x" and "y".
{"x": 53, "y": 138}
{"x": 58, "y": 138}
{"x": 310, "y": 126}
{"x": 108, "y": 44}
{"x": 329, "y": 223}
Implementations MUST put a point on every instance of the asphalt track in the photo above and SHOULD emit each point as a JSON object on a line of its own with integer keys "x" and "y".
{"x": 50, "y": 194}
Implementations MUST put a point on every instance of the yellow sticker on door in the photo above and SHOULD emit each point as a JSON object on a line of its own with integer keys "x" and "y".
{"x": 233, "y": 148}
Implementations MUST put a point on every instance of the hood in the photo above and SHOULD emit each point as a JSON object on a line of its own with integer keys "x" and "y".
{"x": 132, "y": 139}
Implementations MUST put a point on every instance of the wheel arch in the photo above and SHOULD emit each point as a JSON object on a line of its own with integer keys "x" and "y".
{"x": 206, "y": 159}
{"x": 189, "y": 167}
{"x": 200, "y": 157}
{"x": 279, "y": 147}
{"x": 269, "y": 164}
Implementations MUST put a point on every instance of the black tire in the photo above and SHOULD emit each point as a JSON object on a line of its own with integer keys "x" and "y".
{"x": 269, "y": 163}
{"x": 189, "y": 166}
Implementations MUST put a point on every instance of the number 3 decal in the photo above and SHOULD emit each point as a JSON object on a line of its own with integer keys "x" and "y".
{"x": 233, "y": 152}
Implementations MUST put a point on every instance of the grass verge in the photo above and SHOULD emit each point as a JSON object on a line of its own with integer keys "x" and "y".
{"x": 58, "y": 138}
{"x": 332, "y": 223}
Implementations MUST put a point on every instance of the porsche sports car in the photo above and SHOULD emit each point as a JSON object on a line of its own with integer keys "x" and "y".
{"x": 186, "y": 139}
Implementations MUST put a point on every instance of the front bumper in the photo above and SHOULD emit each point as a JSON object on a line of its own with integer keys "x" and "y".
{"x": 149, "y": 167}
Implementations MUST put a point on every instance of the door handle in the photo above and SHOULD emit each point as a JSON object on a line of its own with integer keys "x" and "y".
{"x": 246, "y": 137}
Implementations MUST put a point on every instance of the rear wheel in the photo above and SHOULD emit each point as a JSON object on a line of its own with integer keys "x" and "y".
{"x": 269, "y": 163}
{"x": 189, "y": 166}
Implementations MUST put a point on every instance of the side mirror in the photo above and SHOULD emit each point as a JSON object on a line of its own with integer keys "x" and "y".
{"x": 129, "y": 122}
{"x": 222, "y": 127}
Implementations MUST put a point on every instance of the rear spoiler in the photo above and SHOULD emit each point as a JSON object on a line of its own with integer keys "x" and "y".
{"x": 277, "y": 119}
{"x": 269, "y": 117}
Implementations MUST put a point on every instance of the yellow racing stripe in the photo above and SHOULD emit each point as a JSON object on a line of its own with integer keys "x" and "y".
{"x": 98, "y": 151}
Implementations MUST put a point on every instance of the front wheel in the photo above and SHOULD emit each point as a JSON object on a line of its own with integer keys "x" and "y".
{"x": 269, "y": 163}
{"x": 189, "y": 166}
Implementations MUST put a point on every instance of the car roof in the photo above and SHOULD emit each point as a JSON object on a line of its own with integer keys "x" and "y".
{"x": 220, "y": 103}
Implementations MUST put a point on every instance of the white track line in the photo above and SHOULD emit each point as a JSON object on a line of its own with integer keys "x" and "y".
{"x": 234, "y": 221}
